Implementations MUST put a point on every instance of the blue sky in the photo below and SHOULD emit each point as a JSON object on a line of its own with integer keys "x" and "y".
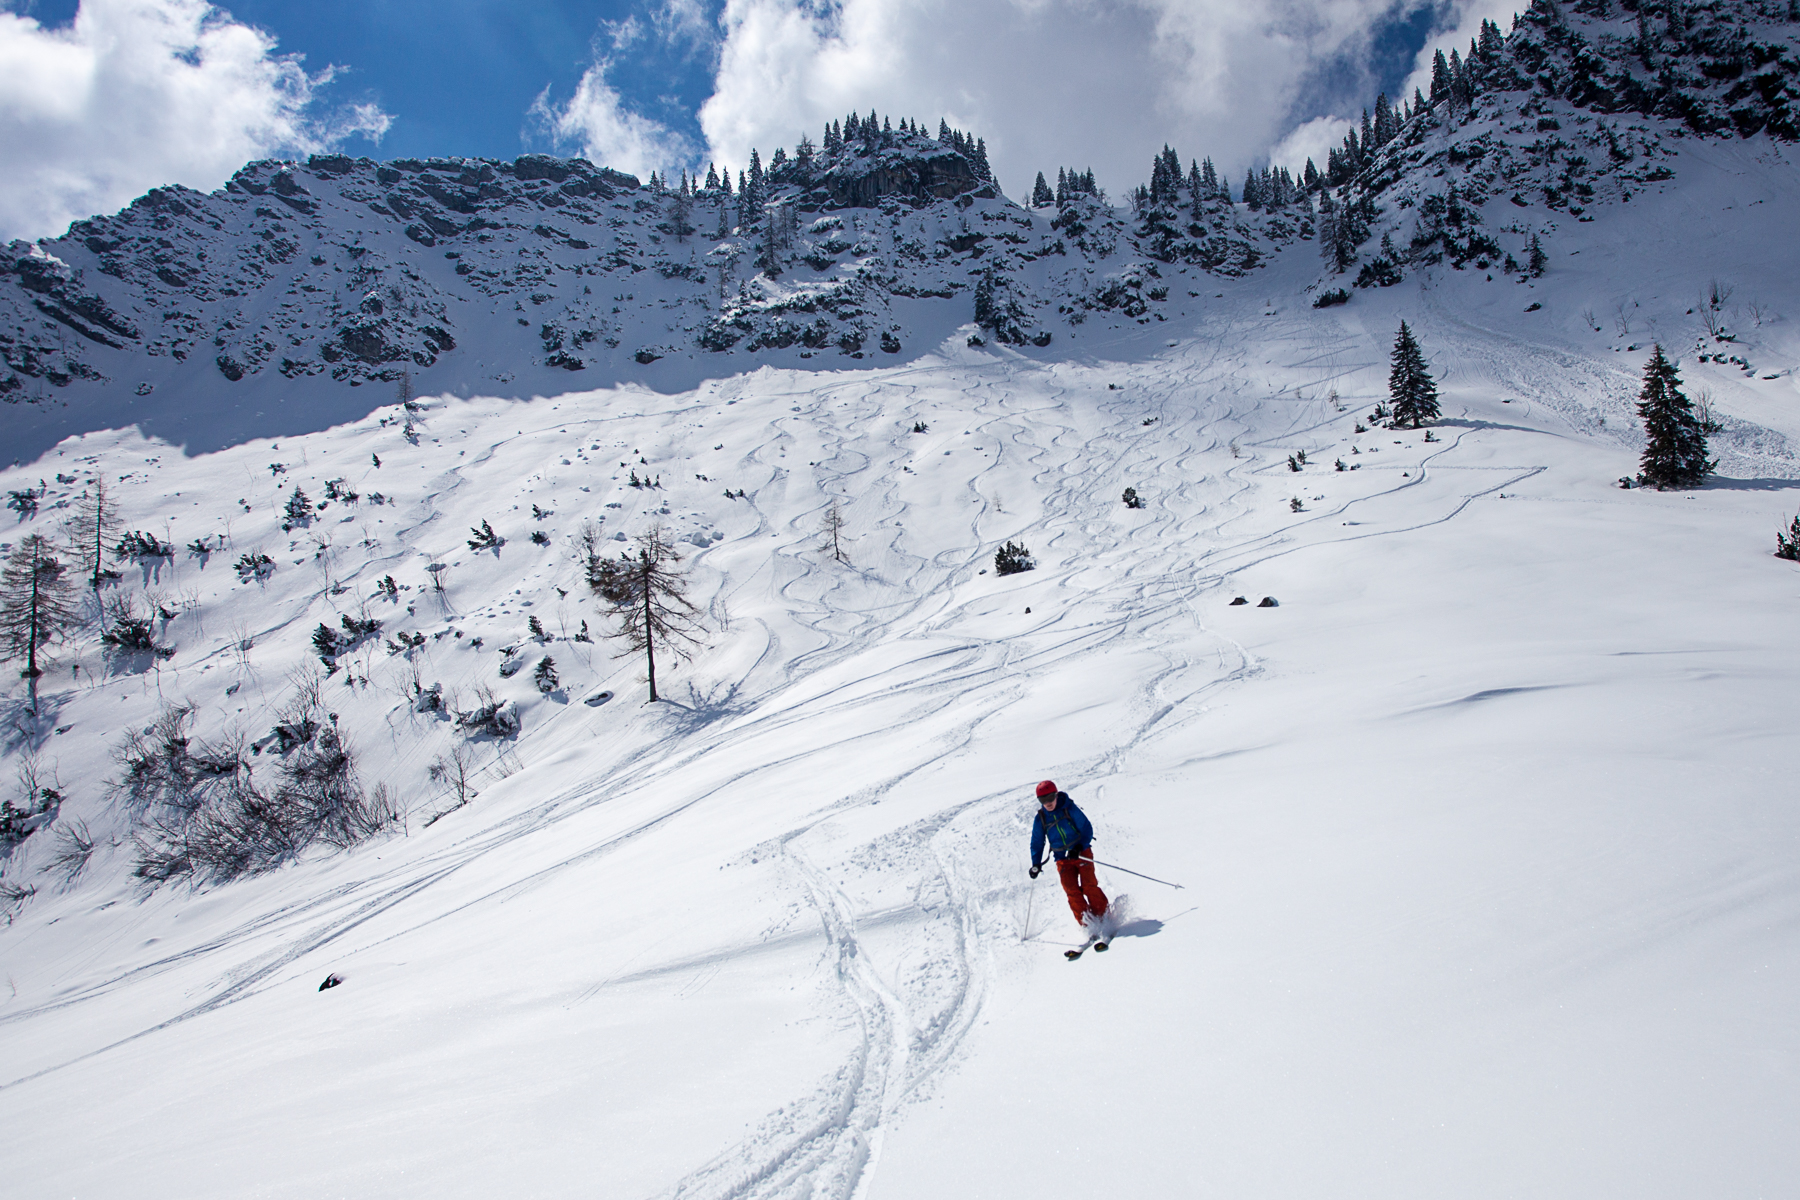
{"x": 643, "y": 84}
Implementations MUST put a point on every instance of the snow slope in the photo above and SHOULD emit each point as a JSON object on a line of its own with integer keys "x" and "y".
{"x": 1489, "y": 882}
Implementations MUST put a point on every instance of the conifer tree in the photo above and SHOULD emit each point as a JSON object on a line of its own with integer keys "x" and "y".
{"x": 754, "y": 193}
{"x": 832, "y": 526}
{"x": 1410, "y": 387}
{"x": 650, "y": 599}
{"x": 1040, "y": 192}
{"x": 35, "y": 605}
{"x": 1385, "y": 123}
{"x": 94, "y": 523}
{"x": 1675, "y": 442}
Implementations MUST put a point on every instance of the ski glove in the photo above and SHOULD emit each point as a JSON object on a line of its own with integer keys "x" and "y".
{"x": 1035, "y": 868}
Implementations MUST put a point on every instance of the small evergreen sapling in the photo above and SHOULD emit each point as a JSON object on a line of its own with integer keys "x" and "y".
{"x": 299, "y": 510}
{"x": 1675, "y": 441}
{"x": 545, "y": 675}
{"x": 1787, "y": 545}
{"x": 1132, "y": 499}
{"x": 485, "y": 538}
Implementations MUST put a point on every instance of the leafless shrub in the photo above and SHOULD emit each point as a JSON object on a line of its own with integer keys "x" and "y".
{"x": 242, "y": 642}
{"x": 455, "y": 770}
{"x": 207, "y": 815}
{"x": 1711, "y": 318}
{"x": 74, "y": 846}
{"x": 1622, "y": 317}
{"x": 1717, "y": 293}
{"x": 1757, "y": 311}
{"x": 1703, "y": 412}
{"x": 13, "y": 897}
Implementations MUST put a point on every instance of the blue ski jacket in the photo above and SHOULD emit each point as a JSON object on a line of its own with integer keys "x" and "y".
{"x": 1067, "y": 830}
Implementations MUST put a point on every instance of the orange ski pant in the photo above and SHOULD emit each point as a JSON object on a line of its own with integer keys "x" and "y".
{"x": 1083, "y": 889}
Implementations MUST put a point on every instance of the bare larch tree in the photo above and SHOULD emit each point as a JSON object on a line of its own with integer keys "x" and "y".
{"x": 833, "y": 529}
{"x": 35, "y": 605}
{"x": 649, "y": 597}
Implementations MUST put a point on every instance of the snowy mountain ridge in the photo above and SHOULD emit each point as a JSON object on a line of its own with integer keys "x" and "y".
{"x": 297, "y": 281}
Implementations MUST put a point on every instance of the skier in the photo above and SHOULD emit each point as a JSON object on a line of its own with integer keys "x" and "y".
{"x": 1070, "y": 835}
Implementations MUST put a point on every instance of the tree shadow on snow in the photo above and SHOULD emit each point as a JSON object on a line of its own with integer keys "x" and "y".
{"x": 703, "y": 708}
{"x": 1722, "y": 483}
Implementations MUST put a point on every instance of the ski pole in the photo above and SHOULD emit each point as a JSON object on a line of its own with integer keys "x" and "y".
{"x": 1139, "y": 874}
{"x": 1029, "y": 897}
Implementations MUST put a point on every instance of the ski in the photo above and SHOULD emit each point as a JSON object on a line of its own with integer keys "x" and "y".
{"x": 1076, "y": 953}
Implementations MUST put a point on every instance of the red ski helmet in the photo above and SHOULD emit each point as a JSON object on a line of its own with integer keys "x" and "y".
{"x": 1045, "y": 790}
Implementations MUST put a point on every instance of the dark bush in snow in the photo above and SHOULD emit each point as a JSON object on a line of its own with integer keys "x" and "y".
{"x": 254, "y": 566}
{"x": 1013, "y": 558}
{"x": 142, "y": 545}
{"x": 208, "y": 818}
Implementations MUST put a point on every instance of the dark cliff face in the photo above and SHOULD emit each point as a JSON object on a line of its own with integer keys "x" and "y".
{"x": 863, "y": 183}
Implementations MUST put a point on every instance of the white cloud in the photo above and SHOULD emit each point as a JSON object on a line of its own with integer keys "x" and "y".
{"x": 679, "y": 21}
{"x": 1046, "y": 82}
{"x": 597, "y": 125}
{"x": 137, "y": 93}
{"x": 1314, "y": 139}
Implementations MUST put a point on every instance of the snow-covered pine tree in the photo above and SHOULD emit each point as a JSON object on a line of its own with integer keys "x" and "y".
{"x": 1675, "y": 443}
{"x": 1040, "y": 192}
{"x": 1386, "y": 124}
{"x": 754, "y": 193}
{"x": 1410, "y": 386}
{"x": 545, "y": 675}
